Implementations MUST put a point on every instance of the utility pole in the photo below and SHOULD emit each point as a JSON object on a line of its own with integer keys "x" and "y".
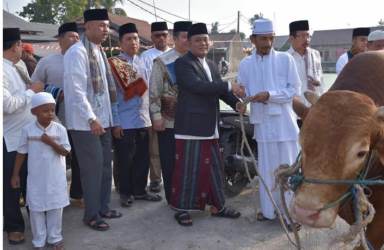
{"x": 154, "y": 7}
{"x": 189, "y": 10}
{"x": 238, "y": 21}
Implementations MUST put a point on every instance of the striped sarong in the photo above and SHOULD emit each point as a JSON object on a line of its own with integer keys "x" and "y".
{"x": 198, "y": 175}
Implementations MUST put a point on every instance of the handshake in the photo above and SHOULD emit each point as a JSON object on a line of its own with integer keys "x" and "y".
{"x": 237, "y": 89}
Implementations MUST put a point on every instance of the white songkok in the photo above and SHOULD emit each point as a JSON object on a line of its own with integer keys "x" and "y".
{"x": 41, "y": 98}
{"x": 262, "y": 26}
{"x": 376, "y": 35}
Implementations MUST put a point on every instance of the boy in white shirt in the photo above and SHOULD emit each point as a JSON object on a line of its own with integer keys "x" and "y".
{"x": 46, "y": 143}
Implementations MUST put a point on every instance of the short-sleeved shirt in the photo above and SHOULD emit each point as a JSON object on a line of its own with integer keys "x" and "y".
{"x": 46, "y": 181}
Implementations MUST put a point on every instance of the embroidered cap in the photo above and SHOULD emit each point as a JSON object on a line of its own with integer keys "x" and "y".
{"x": 376, "y": 35}
{"x": 360, "y": 32}
{"x": 262, "y": 26}
{"x": 95, "y": 14}
{"x": 127, "y": 28}
{"x": 11, "y": 34}
{"x": 301, "y": 25}
{"x": 65, "y": 27}
{"x": 41, "y": 98}
{"x": 159, "y": 26}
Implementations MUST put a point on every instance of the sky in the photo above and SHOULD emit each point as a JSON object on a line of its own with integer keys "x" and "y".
{"x": 324, "y": 14}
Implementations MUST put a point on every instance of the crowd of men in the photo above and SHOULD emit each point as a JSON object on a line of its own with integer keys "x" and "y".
{"x": 158, "y": 111}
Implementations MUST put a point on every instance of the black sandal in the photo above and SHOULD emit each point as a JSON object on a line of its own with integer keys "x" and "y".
{"x": 183, "y": 218}
{"x": 111, "y": 214}
{"x": 227, "y": 212}
{"x": 290, "y": 227}
{"x": 98, "y": 225}
{"x": 261, "y": 217}
{"x": 149, "y": 197}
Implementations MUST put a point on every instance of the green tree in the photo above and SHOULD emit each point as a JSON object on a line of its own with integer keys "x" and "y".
{"x": 215, "y": 28}
{"x": 234, "y": 31}
{"x": 119, "y": 12}
{"x": 381, "y": 22}
{"x": 255, "y": 17}
{"x": 43, "y": 11}
{"x": 108, "y": 4}
{"x": 73, "y": 9}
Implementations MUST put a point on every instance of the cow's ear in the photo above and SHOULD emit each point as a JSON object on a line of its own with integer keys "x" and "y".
{"x": 311, "y": 97}
{"x": 379, "y": 134}
{"x": 299, "y": 107}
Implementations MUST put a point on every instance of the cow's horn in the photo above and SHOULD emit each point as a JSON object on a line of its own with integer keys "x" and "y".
{"x": 311, "y": 97}
{"x": 380, "y": 113}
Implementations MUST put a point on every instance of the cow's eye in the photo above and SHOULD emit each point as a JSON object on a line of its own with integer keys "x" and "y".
{"x": 361, "y": 154}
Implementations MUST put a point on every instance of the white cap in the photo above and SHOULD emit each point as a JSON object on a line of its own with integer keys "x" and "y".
{"x": 262, "y": 26}
{"x": 41, "y": 98}
{"x": 376, "y": 35}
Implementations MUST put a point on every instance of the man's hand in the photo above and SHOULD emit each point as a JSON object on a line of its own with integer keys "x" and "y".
{"x": 237, "y": 89}
{"x": 96, "y": 128}
{"x": 261, "y": 97}
{"x": 241, "y": 107}
{"x": 158, "y": 125}
{"x": 15, "y": 181}
{"x": 117, "y": 132}
{"x": 47, "y": 139}
{"x": 37, "y": 87}
{"x": 314, "y": 82}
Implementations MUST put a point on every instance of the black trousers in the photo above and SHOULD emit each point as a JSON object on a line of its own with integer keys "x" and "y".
{"x": 75, "y": 191}
{"x": 13, "y": 218}
{"x": 132, "y": 155}
{"x": 167, "y": 158}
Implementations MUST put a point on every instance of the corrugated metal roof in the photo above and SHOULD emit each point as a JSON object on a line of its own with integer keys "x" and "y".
{"x": 333, "y": 37}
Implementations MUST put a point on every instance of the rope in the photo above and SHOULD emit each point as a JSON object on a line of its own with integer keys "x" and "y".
{"x": 245, "y": 142}
{"x": 364, "y": 212}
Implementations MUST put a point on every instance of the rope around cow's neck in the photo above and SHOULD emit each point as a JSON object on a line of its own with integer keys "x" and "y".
{"x": 244, "y": 141}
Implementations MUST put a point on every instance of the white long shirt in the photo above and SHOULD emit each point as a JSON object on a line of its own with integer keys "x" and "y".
{"x": 276, "y": 73}
{"x": 46, "y": 181}
{"x": 50, "y": 70}
{"x": 147, "y": 57}
{"x": 81, "y": 104}
{"x": 341, "y": 62}
{"x": 311, "y": 69}
{"x": 16, "y": 105}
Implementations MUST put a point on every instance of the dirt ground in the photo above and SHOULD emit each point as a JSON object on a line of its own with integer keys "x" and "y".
{"x": 149, "y": 226}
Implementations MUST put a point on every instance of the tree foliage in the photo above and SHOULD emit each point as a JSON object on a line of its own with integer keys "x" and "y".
{"x": 59, "y": 11}
{"x": 215, "y": 28}
{"x": 255, "y": 17}
{"x": 381, "y": 22}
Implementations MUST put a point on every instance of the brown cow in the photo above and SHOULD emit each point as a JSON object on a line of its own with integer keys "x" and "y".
{"x": 338, "y": 131}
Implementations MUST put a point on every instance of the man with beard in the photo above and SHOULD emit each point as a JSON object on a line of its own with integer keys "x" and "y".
{"x": 163, "y": 98}
{"x": 270, "y": 78}
{"x": 307, "y": 60}
{"x": 359, "y": 45}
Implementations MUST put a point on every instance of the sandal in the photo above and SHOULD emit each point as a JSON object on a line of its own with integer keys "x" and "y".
{"x": 261, "y": 217}
{"x": 16, "y": 238}
{"x": 183, "y": 218}
{"x": 227, "y": 212}
{"x": 98, "y": 225}
{"x": 111, "y": 214}
{"x": 149, "y": 197}
{"x": 126, "y": 202}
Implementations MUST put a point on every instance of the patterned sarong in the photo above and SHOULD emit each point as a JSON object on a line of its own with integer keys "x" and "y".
{"x": 198, "y": 175}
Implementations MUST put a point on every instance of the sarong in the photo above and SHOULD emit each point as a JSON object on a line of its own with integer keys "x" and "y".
{"x": 198, "y": 175}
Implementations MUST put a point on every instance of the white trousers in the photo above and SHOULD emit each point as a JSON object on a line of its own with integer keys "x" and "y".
{"x": 46, "y": 226}
{"x": 271, "y": 155}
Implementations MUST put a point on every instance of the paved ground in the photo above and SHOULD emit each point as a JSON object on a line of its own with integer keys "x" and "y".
{"x": 148, "y": 226}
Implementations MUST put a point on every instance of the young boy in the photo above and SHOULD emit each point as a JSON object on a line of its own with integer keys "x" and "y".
{"x": 46, "y": 144}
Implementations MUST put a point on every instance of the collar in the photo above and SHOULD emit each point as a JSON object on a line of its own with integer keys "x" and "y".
{"x": 38, "y": 125}
{"x": 127, "y": 57}
{"x": 8, "y": 62}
